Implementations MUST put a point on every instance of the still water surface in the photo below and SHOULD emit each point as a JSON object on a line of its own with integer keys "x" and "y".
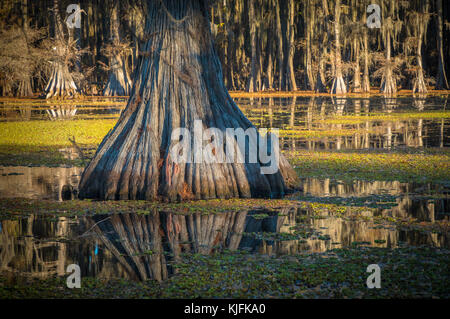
{"x": 140, "y": 247}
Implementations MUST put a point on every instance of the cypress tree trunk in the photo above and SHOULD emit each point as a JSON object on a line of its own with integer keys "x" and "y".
{"x": 356, "y": 47}
{"x": 269, "y": 68}
{"x": 24, "y": 86}
{"x": 338, "y": 86}
{"x": 252, "y": 25}
{"x": 419, "y": 83}
{"x": 388, "y": 85}
{"x": 280, "y": 46}
{"x": 61, "y": 83}
{"x": 309, "y": 30}
{"x": 119, "y": 83}
{"x": 441, "y": 82}
{"x": 388, "y": 82}
{"x": 320, "y": 86}
{"x": 178, "y": 81}
{"x": 366, "y": 80}
{"x": 290, "y": 72}
{"x": 357, "y": 76}
{"x": 422, "y": 21}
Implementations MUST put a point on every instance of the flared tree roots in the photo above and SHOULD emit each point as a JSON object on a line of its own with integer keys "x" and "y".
{"x": 61, "y": 83}
{"x": 119, "y": 83}
{"x": 178, "y": 83}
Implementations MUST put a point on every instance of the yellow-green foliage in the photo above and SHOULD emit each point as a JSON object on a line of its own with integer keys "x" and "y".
{"x": 401, "y": 166}
{"x": 401, "y": 116}
{"x": 315, "y": 134}
{"x": 35, "y": 135}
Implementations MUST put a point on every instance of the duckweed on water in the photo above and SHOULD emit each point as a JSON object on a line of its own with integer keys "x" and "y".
{"x": 398, "y": 116}
{"x": 37, "y": 143}
{"x": 413, "y": 272}
{"x": 426, "y": 166}
{"x": 23, "y": 207}
{"x": 20, "y": 208}
{"x": 32, "y": 135}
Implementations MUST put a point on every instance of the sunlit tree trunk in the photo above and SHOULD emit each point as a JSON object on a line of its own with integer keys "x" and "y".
{"x": 422, "y": 21}
{"x": 61, "y": 83}
{"x": 388, "y": 83}
{"x": 366, "y": 79}
{"x": 252, "y": 22}
{"x": 338, "y": 86}
{"x": 310, "y": 21}
{"x": 290, "y": 72}
{"x": 320, "y": 86}
{"x": 419, "y": 83}
{"x": 178, "y": 81}
{"x": 356, "y": 47}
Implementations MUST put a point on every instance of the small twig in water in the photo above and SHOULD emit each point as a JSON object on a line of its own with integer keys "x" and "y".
{"x": 87, "y": 231}
{"x": 79, "y": 150}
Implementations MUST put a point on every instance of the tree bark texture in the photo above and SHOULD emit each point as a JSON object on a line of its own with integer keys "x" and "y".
{"x": 179, "y": 80}
{"x": 388, "y": 84}
{"x": 338, "y": 86}
{"x": 61, "y": 83}
{"x": 119, "y": 82}
{"x": 441, "y": 82}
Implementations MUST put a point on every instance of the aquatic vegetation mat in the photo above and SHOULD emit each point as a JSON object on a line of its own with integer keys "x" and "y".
{"x": 400, "y": 165}
{"x": 406, "y": 272}
{"x": 19, "y": 207}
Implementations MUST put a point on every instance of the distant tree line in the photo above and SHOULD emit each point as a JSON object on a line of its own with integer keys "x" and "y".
{"x": 318, "y": 45}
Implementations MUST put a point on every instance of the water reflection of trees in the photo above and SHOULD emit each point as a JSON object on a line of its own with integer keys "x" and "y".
{"x": 61, "y": 112}
{"x": 22, "y": 113}
{"x": 146, "y": 246}
{"x": 406, "y": 205}
{"x": 39, "y": 182}
{"x": 310, "y": 114}
{"x": 28, "y": 112}
{"x": 343, "y": 232}
{"x": 23, "y": 252}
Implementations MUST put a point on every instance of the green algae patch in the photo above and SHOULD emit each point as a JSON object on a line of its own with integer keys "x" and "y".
{"x": 33, "y": 135}
{"x": 403, "y": 166}
{"x": 258, "y": 209}
{"x": 387, "y": 117}
{"x": 316, "y": 134}
{"x": 18, "y": 207}
{"x": 38, "y": 143}
{"x": 103, "y": 101}
{"x": 411, "y": 272}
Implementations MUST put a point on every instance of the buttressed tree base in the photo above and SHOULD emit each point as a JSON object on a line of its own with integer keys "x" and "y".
{"x": 178, "y": 81}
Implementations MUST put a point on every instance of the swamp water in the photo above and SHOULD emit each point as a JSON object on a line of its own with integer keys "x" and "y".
{"x": 145, "y": 246}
